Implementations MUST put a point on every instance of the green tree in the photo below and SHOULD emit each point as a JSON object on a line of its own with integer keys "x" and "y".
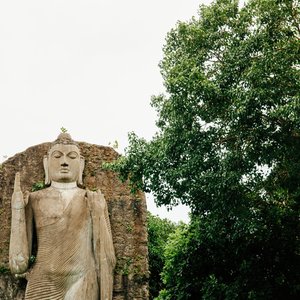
{"x": 158, "y": 233}
{"x": 228, "y": 146}
{"x": 176, "y": 258}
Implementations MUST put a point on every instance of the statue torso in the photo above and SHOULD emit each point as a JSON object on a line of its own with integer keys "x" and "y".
{"x": 64, "y": 238}
{"x": 51, "y": 205}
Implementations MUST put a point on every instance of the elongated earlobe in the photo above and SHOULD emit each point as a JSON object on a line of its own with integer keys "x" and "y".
{"x": 80, "y": 181}
{"x": 46, "y": 169}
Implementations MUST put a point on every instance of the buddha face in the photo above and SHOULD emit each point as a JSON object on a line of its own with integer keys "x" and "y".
{"x": 64, "y": 163}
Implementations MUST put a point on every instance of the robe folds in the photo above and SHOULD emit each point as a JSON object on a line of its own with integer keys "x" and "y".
{"x": 75, "y": 255}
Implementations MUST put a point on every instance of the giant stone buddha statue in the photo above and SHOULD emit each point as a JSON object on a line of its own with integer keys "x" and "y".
{"x": 75, "y": 255}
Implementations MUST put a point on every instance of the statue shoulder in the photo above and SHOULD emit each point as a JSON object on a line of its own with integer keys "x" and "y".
{"x": 40, "y": 193}
{"x": 81, "y": 191}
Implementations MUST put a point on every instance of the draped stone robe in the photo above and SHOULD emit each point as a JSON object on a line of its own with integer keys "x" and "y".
{"x": 75, "y": 257}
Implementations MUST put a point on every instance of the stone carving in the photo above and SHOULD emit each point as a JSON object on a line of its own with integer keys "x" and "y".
{"x": 75, "y": 253}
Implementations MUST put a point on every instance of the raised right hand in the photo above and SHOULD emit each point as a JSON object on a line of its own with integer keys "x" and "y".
{"x": 18, "y": 201}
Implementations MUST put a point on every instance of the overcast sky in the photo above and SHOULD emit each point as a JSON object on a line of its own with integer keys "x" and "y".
{"x": 88, "y": 66}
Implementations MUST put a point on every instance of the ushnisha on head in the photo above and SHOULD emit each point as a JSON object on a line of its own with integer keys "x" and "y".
{"x": 63, "y": 163}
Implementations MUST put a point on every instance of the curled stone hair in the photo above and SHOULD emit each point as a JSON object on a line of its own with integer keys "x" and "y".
{"x": 64, "y": 139}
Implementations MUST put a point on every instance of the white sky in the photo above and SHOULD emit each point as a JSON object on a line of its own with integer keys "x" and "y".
{"x": 88, "y": 66}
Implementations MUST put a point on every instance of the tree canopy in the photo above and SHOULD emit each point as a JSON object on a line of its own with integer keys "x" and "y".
{"x": 228, "y": 145}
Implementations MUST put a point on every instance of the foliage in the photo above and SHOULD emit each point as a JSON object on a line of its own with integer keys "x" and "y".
{"x": 114, "y": 144}
{"x": 38, "y": 186}
{"x": 175, "y": 259}
{"x": 63, "y": 130}
{"x": 228, "y": 146}
{"x": 4, "y": 270}
{"x": 158, "y": 232}
{"x": 210, "y": 260}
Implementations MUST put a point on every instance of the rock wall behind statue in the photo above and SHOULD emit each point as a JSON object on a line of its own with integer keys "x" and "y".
{"x": 127, "y": 216}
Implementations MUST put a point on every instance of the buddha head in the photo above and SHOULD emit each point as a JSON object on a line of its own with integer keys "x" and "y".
{"x": 63, "y": 163}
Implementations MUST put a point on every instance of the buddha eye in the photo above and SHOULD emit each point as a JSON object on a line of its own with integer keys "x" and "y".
{"x": 57, "y": 154}
{"x": 72, "y": 155}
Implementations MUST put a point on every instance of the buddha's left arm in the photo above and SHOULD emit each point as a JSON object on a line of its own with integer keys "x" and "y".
{"x": 102, "y": 235}
{"x": 102, "y": 243}
{"x": 109, "y": 246}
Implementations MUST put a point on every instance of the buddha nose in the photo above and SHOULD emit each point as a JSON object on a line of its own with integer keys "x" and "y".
{"x": 64, "y": 164}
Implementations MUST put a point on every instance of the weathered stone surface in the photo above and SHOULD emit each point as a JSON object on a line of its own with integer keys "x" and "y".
{"x": 127, "y": 215}
{"x": 11, "y": 288}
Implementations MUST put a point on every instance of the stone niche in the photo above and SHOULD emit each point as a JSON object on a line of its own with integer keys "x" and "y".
{"x": 127, "y": 215}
